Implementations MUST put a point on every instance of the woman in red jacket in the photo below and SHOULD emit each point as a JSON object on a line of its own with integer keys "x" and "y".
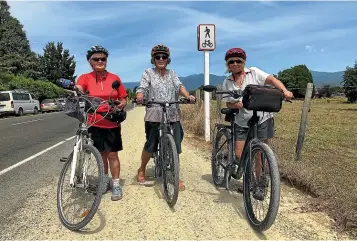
{"x": 105, "y": 134}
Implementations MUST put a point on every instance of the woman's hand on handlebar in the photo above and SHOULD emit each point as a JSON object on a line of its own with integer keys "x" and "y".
{"x": 192, "y": 99}
{"x": 288, "y": 95}
{"x": 122, "y": 103}
{"x": 139, "y": 98}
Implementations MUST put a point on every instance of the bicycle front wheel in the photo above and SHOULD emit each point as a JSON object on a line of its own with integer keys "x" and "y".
{"x": 170, "y": 169}
{"x": 257, "y": 177}
{"x": 88, "y": 186}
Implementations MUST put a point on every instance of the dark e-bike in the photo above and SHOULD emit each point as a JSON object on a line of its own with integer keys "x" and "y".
{"x": 259, "y": 175}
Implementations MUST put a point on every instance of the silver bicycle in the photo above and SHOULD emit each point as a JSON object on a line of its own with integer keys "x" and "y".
{"x": 83, "y": 185}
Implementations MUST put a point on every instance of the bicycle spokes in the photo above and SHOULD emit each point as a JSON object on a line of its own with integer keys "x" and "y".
{"x": 259, "y": 185}
{"x": 79, "y": 198}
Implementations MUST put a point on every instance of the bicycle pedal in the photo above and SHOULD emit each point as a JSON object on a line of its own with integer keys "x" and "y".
{"x": 63, "y": 159}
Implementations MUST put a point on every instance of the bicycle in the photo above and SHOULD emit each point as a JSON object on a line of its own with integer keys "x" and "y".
{"x": 166, "y": 157}
{"x": 207, "y": 42}
{"x": 243, "y": 167}
{"x": 79, "y": 178}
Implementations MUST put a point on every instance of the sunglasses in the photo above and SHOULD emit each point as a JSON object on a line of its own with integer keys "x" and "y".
{"x": 101, "y": 59}
{"x": 235, "y": 61}
{"x": 158, "y": 57}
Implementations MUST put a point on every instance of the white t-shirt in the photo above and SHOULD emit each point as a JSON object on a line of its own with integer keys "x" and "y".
{"x": 254, "y": 76}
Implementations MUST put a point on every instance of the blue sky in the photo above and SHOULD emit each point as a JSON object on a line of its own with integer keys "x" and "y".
{"x": 275, "y": 35}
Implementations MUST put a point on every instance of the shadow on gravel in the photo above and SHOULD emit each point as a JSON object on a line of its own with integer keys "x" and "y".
{"x": 235, "y": 198}
{"x": 155, "y": 183}
{"x": 102, "y": 222}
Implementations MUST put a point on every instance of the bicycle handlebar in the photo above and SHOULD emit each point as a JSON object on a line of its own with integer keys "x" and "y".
{"x": 165, "y": 103}
{"x": 233, "y": 93}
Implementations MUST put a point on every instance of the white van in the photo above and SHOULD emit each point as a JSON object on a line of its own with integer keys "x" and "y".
{"x": 18, "y": 102}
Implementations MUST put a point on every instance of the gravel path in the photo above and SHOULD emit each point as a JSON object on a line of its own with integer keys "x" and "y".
{"x": 202, "y": 212}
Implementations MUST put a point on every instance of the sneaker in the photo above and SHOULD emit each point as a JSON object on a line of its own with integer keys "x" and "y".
{"x": 117, "y": 192}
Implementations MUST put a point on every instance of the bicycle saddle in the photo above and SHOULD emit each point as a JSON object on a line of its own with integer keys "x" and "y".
{"x": 228, "y": 111}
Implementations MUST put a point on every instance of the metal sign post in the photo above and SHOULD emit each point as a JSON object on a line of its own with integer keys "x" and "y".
{"x": 206, "y": 40}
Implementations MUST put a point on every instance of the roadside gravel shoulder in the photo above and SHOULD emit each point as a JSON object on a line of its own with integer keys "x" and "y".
{"x": 202, "y": 211}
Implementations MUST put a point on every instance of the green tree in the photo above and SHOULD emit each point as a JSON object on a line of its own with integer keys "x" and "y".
{"x": 296, "y": 79}
{"x": 350, "y": 83}
{"x": 326, "y": 91}
{"x": 57, "y": 62}
{"x": 16, "y": 56}
{"x": 337, "y": 89}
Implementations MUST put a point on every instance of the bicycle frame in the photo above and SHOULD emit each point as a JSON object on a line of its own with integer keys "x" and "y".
{"x": 251, "y": 137}
{"x": 163, "y": 128}
{"x": 81, "y": 132}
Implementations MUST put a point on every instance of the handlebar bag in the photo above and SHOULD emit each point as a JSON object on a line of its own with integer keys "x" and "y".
{"x": 262, "y": 98}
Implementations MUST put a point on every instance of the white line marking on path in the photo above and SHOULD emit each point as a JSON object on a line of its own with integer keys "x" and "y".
{"x": 70, "y": 138}
{"x": 30, "y": 158}
{"x": 2, "y": 172}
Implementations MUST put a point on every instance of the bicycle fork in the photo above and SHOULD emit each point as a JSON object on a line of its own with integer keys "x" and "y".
{"x": 74, "y": 160}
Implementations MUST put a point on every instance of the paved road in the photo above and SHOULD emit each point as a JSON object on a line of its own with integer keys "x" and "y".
{"x": 23, "y": 137}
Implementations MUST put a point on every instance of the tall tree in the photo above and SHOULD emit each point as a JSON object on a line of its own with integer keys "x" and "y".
{"x": 15, "y": 52}
{"x": 296, "y": 79}
{"x": 57, "y": 62}
{"x": 350, "y": 83}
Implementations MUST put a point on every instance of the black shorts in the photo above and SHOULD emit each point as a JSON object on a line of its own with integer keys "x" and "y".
{"x": 152, "y": 135}
{"x": 265, "y": 131}
{"x": 106, "y": 139}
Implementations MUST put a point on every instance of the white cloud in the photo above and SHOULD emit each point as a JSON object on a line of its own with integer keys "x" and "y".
{"x": 310, "y": 48}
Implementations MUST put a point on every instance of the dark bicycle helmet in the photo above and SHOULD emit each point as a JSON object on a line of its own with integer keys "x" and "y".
{"x": 160, "y": 49}
{"x": 96, "y": 49}
{"x": 235, "y": 52}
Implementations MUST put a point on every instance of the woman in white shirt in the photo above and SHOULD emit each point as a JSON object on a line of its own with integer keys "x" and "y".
{"x": 241, "y": 76}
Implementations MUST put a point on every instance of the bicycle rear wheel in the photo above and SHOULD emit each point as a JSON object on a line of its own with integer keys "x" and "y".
{"x": 90, "y": 187}
{"x": 220, "y": 158}
{"x": 268, "y": 161}
{"x": 170, "y": 169}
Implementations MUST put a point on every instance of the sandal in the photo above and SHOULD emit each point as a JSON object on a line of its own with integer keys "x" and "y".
{"x": 141, "y": 176}
{"x": 181, "y": 186}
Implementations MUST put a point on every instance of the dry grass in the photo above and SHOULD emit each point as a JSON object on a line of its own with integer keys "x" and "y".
{"x": 328, "y": 165}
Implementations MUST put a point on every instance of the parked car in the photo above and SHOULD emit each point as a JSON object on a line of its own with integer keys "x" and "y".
{"x": 49, "y": 105}
{"x": 61, "y": 102}
{"x": 18, "y": 102}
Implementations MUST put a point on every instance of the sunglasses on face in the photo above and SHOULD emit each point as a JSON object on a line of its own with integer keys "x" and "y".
{"x": 101, "y": 59}
{"x": 158, "y": 57}
{"x": 235, "y": 61}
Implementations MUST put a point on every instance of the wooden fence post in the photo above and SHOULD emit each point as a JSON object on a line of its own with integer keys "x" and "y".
{"x": 303, "y": 121}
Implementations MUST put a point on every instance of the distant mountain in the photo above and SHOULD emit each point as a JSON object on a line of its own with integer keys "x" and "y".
{"x": 327, "y": 78}
{"x": 194, "y": 81}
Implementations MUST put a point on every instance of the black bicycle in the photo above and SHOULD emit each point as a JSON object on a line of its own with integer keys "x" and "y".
{"x": 166, "y": 158}
{"x": 256, "y": 176}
